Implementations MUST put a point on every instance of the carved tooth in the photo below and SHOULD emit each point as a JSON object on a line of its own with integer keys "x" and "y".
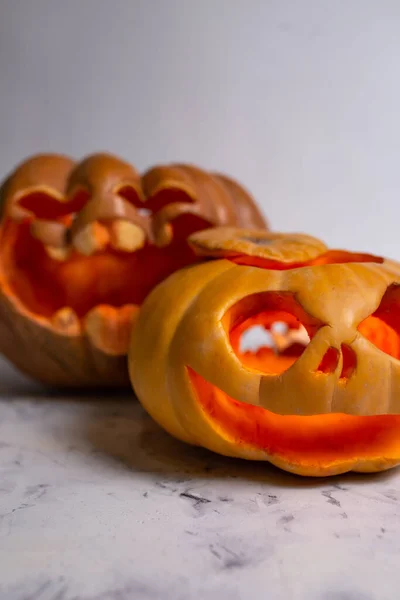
{"x": 91, "y": 239}
{"x": 126, "y": 236}
{"x": 60, "y": 254}
{"x": 67, "y": 321}
{"x": 50, "y": 233}
{"x": 109, "y": 328}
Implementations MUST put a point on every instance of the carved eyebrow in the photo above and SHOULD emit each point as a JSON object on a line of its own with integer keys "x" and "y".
{"x": 49, "y": 204}
{"x": 129, "y": 192}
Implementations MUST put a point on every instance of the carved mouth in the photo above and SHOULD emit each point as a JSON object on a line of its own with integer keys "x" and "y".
{"x": 94, "y": 285}
{"x": 311, "y": 445}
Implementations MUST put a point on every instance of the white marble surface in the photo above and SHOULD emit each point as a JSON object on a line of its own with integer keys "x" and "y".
{"x": 96, "y": 503}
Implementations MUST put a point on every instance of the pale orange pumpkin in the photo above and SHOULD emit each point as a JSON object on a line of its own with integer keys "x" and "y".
{"x": 321, "y": 398}
{"x": 82, "y": 244}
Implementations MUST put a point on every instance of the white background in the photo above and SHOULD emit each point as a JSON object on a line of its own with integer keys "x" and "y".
{"x": 300, "y": 100}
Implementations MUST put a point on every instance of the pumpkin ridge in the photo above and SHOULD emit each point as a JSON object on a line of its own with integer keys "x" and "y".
{"x": 175, "y": 339}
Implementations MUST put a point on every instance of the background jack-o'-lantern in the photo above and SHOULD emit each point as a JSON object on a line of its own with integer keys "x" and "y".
{"x": 81, "y": 245}
{"x": 321, "y": 397}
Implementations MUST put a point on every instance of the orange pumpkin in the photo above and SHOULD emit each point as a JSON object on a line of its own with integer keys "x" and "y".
{"x": 320, "y": 397}
{"x": 82, "y": 244}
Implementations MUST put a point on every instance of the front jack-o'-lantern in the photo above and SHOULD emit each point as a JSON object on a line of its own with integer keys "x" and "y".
{"x": 320, "y": 397}
{"x": 81, "y": 245}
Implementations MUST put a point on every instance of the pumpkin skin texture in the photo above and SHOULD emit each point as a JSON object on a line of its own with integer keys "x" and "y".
{"x": 83, "y": 243}
{"x": 321, "y": 398}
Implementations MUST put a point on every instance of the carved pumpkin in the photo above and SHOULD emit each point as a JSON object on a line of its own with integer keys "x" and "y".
{"x": 321, "y": 397}
{"x": 82, "y": 244}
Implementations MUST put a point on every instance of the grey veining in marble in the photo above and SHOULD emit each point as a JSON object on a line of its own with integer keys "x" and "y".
{"x": 97, "y": 503}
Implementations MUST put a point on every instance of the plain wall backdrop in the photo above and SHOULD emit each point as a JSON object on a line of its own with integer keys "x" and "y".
{"x": 300, "y": 100}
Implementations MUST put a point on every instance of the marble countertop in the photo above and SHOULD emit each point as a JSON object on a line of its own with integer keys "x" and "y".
{"x": 97, "y": 503}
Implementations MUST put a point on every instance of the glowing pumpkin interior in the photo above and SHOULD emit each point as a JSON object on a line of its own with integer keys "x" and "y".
{"x": 112, "y": 281}
{"x": 287, "y": 329}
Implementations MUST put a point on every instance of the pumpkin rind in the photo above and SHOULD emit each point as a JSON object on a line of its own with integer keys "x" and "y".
{"x": 73, "y": 233}
{"x": 311, "y": 418}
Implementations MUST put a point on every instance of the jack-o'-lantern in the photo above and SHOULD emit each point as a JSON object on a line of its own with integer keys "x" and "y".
{"x": 321, "y": 396}
{"x": 82, "y": 244}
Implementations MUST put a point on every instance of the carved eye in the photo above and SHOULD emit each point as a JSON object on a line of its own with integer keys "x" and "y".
{"x": 44, "y": 205}
{"x": 270, "y": 331}
{"x": 168, "y": 196}
{"x": 158, "y": 196}
{"x": 382, "y": 328}
{"x": 275, "y": 333}
{"x": 129, "y": 193}
{"x": 165, "y": 185}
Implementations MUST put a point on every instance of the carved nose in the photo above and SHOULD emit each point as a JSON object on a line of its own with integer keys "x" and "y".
{"x": 330, "y": 361}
